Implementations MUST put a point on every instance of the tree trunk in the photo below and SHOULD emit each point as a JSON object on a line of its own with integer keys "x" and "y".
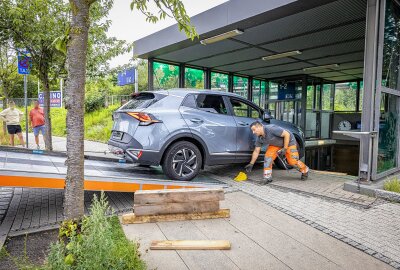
{"x": 5, "y": 106}
{"x": 44, "y": 77}
{"x": 75, "y": 95}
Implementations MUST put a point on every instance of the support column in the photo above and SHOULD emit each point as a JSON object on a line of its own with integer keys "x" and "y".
{"x": 207, "y": 78}
{"x": 182, "y": 76}
{"x": 368, "y": 110}
{"x": 250, "y": 89}
{"x": 303, "y": 103}
{"x": 230, "y": 82}
{"x": 150, "y": 74}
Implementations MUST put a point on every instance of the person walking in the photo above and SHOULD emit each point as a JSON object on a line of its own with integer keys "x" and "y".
{"x": 12, "y": 117}
{"x": 37, "y": 122}
{"x": 278, "y": 141}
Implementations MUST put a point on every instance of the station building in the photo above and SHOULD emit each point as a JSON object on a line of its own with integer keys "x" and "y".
{"x": 329, "y": 66}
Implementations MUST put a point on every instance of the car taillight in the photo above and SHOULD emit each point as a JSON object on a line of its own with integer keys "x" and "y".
{"x": 144, "y": 118}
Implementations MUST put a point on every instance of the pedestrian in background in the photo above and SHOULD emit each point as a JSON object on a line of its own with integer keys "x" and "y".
{"x": 37, "y": 122}
{"x": 12, "y": 117}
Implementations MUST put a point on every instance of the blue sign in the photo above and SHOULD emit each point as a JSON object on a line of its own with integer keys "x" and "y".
{"x": 24, "y": 62}
{"x": 286, "y": 90}
{"x": 126, "y": 77}
{"x": 55, "y": 99}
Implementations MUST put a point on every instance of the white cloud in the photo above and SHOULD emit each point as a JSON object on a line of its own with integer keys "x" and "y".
{"x": 131, "y": 25}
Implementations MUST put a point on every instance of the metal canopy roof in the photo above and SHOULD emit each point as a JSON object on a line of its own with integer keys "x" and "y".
{"x": 326, "y": 32}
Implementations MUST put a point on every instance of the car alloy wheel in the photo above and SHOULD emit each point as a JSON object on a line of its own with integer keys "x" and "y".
{"x": 184, "y": 162}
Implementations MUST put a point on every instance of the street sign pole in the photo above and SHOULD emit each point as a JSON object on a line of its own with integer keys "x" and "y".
{"x": 26, "y": 109}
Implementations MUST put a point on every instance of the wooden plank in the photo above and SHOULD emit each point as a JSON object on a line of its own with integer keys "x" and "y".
{"x": 144, "y": 197}
{"x": 175, "y": 208}
{"x": 190, "y": 244}
{"x": 131, "y": 218}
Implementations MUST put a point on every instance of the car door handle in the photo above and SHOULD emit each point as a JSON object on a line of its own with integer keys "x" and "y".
{"x": 196, "y": 120}
{"x": 243, "y": 123}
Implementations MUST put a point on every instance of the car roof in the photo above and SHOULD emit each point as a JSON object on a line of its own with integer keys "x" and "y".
{"x": 182, "y": 92}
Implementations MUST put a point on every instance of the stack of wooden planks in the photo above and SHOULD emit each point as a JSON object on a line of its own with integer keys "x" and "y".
{"x": 176, "y": 204}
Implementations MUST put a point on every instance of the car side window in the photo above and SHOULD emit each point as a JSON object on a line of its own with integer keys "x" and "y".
{"x": 190, "y": 102}
{"x": 211, "y": 103}
{"x": 242, "y": 109}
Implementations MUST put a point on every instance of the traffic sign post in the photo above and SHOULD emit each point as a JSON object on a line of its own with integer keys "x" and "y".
{"x": 24, "y": 68}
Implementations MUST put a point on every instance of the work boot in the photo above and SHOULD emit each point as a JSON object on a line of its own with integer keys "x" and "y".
{"x": 304, "y": 176}
{"x": 266, "y": 181}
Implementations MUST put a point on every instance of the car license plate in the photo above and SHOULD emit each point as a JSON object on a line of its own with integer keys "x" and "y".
{"x": 117, "y": 135}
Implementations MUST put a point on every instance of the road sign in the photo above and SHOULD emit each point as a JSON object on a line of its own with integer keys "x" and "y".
{"x": 55, "y": 99}
{"x": 24, "y": 62}
{"x": 126, "y": 77}
{"x": 286, "y": 90}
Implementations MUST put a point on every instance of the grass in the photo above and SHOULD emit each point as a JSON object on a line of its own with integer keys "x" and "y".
{"x": 98, "y": 124}
{"x": 392, "y": 185}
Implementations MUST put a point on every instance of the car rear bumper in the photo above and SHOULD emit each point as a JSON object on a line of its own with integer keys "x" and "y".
{"x": 134, "y": 152}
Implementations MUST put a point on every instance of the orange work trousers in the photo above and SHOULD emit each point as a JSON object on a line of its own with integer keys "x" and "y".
{"x": 292, "y": 157}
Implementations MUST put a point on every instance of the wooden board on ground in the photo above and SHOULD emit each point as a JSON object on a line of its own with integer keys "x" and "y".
{"x": 133, "y": 219}
{"x": 144, "y": 197}
{"x": 191, "y": 244}
{"x": 175, "y": 208}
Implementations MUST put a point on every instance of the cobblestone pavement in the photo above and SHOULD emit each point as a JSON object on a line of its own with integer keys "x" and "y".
{"x": 372, "y": 228}
{"x": 5, "y": 199}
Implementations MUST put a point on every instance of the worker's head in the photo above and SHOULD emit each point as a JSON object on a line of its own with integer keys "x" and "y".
{"x": 11, "y": 103}
{"x": 257, "y": 128}
{"x": 36, "y": 103}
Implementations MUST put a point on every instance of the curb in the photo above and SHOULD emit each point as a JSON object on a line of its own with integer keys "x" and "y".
{"x": 55, "y": 153}
{"x": 388, "y": 195}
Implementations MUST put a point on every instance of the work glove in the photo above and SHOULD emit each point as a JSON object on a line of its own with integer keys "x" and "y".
{"x": 249, "y": 167}
{"x": 282, "y": 152}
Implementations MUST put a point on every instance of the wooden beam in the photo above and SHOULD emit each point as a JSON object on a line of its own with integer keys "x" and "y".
{"x": 133, "y": 219}
{"x": 175, "y": 208}
{"x": 144, "y": 197}
{"x": 191, "y": 244}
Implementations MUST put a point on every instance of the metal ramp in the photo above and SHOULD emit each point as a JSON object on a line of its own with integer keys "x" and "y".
{"x": 42, "y": 171}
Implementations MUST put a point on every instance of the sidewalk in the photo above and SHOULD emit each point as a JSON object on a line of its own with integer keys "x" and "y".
{"x": 261, "y": 237}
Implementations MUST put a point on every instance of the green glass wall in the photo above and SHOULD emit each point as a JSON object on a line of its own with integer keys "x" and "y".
{"x": 240, "y": 86}
{"x": 219, "y": 81}
{"x": 346, "y": 96}
{"x": 194, "y": 78}
{"x": 165, "y": 76}
{"x": 256, "y": 98}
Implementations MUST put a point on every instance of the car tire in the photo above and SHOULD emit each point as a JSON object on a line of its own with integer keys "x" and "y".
{"x": 182, "y": 161}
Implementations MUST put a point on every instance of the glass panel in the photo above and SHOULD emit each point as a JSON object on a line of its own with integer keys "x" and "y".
{"x": 317, "y": 97}
{"x": 194, "y": 78}
{"x": 240, "y": 86}
{"x": 219, "y": 81}
{"x": 310, "y": 97}
{"x": 256, "y": 92}
{"x": 327, "y": 100}
{"x": 165, "y": 76}
{"x": 299, "y": 87}
{"x": 273, "y": 90}
{"x": 211, "y": 103}
{"x": 388, "y": 130}
{"x": 345, "y": 96}
{"x": 271, "y": 107}
{"x": 391, "y": 47}
{"x": 263, "y": 94}
{"x": 311, "y": 125}
{"x": 325, "y": 125}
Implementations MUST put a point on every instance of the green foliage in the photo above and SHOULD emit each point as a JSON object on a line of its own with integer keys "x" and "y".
{"x": 165, "y": 76}
{"x": 171, "y": 8}
{"x": 392, "y": 185}
{"x": 194, "y": 78}
{"x": 345, "y": 96}
{"x": 101, "y": 244}
{"x": 94, "y": 101}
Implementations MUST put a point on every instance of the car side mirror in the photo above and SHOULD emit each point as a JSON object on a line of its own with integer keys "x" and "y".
{"x": 267, "y": 116}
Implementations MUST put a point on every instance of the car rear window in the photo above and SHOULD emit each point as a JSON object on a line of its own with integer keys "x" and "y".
{"x": 142, "y": 101}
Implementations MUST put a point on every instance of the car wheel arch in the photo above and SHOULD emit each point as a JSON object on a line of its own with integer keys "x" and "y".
{"x": 190, "y": 138}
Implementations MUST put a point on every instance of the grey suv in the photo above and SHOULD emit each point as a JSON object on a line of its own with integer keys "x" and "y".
{"x": 183, "y": 130}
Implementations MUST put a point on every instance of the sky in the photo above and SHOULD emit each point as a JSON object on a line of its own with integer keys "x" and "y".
{"x": 131, "y": 25}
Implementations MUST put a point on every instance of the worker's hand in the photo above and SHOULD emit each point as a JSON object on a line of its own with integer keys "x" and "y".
{"x": 249, "y": 167}
{"x": 282, "y": 151}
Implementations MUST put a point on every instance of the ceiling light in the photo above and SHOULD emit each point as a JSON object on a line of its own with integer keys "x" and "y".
{"x": 321, "y": 67}
{"x": 221, "y": 37}
{"x": 280, "y": 55}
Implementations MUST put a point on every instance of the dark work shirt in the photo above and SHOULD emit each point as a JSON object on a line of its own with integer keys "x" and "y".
{"x": 273, "y": 137}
